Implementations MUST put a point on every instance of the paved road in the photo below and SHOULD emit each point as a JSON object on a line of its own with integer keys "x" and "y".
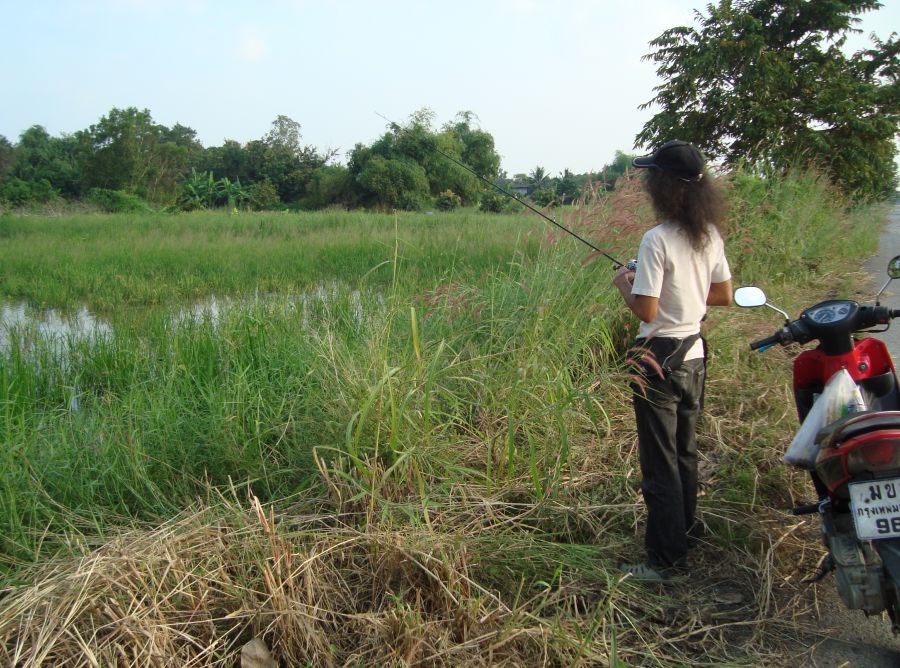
{"x": 856, "y": 641}
{"x": 888, "y": 247}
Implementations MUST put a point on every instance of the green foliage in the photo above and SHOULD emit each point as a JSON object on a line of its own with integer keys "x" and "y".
{"x": 232, "y": 192}
{"x": 394, "y": 183}
{"x": 38, "y": 158}
{"x": 473, "y": 147}
{"x": 567, "y": 189}
{"x": 329, "y": 185}
{"x": 448, "y": 201}
{"x": 784, "y": 228}
{"x": 616, "y": 169}
{"x": 279, "y": 158}
{"x": 263, "y": 195}
{"x": 234, "y": 160}
{"x": 17, "y": 192}
{"x": 287, "y": 163}
{"x": 767, "y": 81}
{"x": 539, "y": 178}
{"x": 198, "y": 191}
{"x": 417, "y": 145}
{"x": 7, "y": 156}
{"x": 544, "y": 196}
{"x": 116, "y": 201}
{"x": 126, "y": 150}
{"x": 202, "y": 191}
{"x": 492, "y": 201}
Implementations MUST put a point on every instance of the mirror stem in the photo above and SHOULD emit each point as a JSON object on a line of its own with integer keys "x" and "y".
{"x": 787, "y": 318}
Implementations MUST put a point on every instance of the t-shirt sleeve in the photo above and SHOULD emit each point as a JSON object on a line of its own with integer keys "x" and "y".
{"x": 721, "y": 271}
{"x": 651, "y": 263}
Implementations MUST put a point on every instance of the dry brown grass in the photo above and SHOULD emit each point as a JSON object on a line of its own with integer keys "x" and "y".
{"x": 480, "y": 582}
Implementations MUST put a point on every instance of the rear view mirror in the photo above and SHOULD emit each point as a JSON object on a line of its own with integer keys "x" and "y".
{"x": 751, "y": 296}
{"x": 893, "y": 272}
{"x": 894, "y": 267}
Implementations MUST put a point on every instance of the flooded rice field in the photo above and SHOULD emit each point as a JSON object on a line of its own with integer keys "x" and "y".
{"x": 61, "y": 329}
{"x": 22, "y": 322}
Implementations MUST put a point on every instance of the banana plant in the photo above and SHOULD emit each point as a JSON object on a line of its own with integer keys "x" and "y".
{"x": 201, "y": 191}
{"x": 198, "y": 191}
{"x": 234, "y": 193}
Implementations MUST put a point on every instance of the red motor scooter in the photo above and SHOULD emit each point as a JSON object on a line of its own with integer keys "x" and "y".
{"x": 857, "y": 469}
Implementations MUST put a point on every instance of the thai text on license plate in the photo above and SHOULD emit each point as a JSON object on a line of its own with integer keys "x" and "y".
{"x": 876, "y": 508}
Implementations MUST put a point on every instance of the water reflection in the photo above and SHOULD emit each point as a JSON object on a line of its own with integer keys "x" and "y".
{"x": 49, "y": 324}
{"x": 63, "y": 329}
{"x": 322, "y": 297}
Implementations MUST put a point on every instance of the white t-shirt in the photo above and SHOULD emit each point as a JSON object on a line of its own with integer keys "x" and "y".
{"x": 669, "y": 268}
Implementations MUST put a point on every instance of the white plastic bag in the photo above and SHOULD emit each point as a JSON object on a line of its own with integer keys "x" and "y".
{"x": 840, "y": 397}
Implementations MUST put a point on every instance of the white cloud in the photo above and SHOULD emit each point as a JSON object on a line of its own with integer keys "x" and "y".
{"x": 252, "y": 46}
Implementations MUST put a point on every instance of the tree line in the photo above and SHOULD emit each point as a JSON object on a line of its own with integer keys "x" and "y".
{"x": 126, "y": 161}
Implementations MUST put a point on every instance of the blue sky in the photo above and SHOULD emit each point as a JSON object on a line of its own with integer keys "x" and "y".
{"x": 557, "y": 83}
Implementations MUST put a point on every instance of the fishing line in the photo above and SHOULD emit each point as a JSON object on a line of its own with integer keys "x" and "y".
{"x": 430, "y": 144}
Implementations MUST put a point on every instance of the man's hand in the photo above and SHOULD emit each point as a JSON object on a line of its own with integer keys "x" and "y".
{"x": 643, "y": 307}
{"x": 623, "y": 279}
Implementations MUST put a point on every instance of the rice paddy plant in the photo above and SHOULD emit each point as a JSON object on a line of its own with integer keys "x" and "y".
{"x": 169, "y": 259}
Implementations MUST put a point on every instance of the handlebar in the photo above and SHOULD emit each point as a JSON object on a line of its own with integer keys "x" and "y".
{"x": 766, "y": 342}
{"x": 832, "y": 335}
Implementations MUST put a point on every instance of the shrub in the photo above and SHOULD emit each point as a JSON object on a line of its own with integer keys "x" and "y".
{"x": 329, "y": 185}
{"x": 493, "y": 201}
{"x": 394, "y": 183}
{"x": 18, "y": 192}
{"x": 544, "y": 197}
{"x": 263, "y": 195}
{"x": 116, "y": 201}
{"x": 410, "y": 201}
{"x": 448, "y": 201}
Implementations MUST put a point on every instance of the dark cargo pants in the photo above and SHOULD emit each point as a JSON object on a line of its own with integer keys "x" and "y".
{"x": 666, "y": 412}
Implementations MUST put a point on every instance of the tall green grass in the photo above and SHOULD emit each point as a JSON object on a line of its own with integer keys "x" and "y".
{"x": 247, "y": 398}
{"x": 110, "y": 261}
{"x": 795, "y": 229}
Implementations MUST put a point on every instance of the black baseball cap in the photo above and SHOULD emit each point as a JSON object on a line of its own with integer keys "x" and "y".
{"x": 676, "y": 156}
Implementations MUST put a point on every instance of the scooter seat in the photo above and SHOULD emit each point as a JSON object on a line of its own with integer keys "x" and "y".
{"x": 857, "y": 424}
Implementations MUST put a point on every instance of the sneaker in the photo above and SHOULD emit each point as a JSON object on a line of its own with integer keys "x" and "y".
{"x": 643, "y": 573}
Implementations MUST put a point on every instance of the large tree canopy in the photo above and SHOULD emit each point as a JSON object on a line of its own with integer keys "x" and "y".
{"x": 127, "y": 150}
{"x": 402, "y": 169}
{"x": 768, "y": 81}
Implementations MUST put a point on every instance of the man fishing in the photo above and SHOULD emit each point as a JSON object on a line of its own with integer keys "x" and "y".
{"x": 681, "y": 269}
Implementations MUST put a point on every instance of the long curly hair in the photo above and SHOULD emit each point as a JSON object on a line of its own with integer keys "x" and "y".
{"x": 695, "y": 205}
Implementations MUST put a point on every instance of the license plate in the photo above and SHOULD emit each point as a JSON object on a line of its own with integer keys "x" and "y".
{"x": 876, "y": 508}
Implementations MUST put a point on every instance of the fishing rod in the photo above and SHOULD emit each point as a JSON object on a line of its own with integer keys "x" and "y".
{"x": 631, "y": 264}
